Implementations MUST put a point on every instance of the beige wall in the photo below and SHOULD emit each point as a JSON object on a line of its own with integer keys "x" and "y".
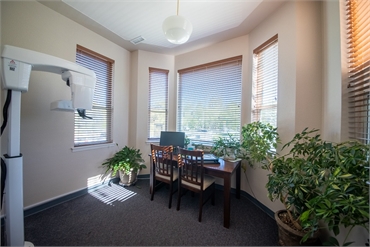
{"x": 141, "y": 61}
{"x": 51, "y": 169}
{"x": 332, "y": 77}
{"x": 299, "y": 92}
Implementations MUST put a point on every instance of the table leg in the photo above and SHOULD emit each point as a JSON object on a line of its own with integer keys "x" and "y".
{"x": 151, "y": 177}
{"x": 238, "y": 173}
{"x": 227, "y": 187}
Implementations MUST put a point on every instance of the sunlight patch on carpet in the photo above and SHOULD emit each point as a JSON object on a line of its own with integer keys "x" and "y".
{"x": 112, "y": 193}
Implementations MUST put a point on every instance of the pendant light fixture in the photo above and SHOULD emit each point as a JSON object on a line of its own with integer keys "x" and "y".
{"x": 176, "y": 28}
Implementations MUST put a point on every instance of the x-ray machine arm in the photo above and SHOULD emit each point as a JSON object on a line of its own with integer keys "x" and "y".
{"x": 17, "y": 64}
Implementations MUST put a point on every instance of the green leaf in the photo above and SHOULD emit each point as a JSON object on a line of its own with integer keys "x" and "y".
{"x": 337, "y": 170}
{"x": 304, "y": 238}
{"x": 346, "y": 175}
{"x": 305, "y": 216}
{"x": 302, "y": 188}
{"x": 336, "y": 230}
{"x": 335, "y": 187}
{"x": 331, "y": 242}
{"x": 364, "y": 213}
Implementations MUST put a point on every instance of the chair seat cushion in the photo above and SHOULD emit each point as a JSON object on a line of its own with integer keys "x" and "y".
{"x": 175, "y": 175}
{"x": 208, "y": 181}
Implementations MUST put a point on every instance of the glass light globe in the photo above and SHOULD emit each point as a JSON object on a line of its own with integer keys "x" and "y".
{"x": 177, "y": 29}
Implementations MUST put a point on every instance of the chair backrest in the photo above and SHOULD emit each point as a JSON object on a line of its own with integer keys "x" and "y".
{"x": 162, "y": 159}
{"x": 191, "y": 166}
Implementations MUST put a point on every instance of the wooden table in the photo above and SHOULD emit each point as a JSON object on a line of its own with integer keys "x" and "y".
{"x": 224, "y": 170}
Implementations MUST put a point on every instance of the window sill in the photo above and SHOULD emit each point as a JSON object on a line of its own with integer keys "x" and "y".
{"x": 98, "y": 146}
{"x": 156, "y": 141}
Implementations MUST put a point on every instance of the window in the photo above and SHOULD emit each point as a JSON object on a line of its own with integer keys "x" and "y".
{"x": 97, "y": 130}
{"x": 209, "y": 98}
{"x": 158, "y": 102}
{"x": 265, "y": 81}
{"x": 358, "y": 26}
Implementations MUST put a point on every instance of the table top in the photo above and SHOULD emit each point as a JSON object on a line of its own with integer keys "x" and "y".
{"x": 224, "y": 165}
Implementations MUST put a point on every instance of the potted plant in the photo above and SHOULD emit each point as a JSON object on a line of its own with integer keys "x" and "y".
{"x": 316, "y": 181}
{"x": 293, "y": 181}
{"x": 227, "y": 147}
{"x": 259, "y": 143}
{"x": 127, "y": 162}
{"x": 343, "y": 198}
{"x": 187, "y": 141}
{"x": 319, "y": 181}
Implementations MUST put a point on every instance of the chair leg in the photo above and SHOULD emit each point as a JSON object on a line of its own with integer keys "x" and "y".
{"x": 178, "y": 198}
{"x": 171, "y": 189}
{"x": 152, "y": 195}
{"x": 213, "y": 195}
{"x": 200, "y": 206}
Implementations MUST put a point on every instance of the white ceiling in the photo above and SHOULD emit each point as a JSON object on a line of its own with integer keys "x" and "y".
{"x": 122, "y": 20}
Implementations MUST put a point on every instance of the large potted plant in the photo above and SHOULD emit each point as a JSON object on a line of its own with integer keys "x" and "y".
{"x": 343, "y": 197}
{"x": 319, "y": 181}
{"x": 259, "y": 141}
{"x": 127, "y": 162}
{"x": 293, "y": 181}
{"x": 316, "y": 181}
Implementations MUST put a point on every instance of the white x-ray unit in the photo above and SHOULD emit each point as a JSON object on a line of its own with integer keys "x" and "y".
{"x": 17, "y": 64}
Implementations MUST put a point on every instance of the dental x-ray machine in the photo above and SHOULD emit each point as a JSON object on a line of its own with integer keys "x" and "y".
{"x": 17, "y": 64}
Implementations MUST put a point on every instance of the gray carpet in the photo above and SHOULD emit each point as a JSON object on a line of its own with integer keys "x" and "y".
{"x": 125, "y": 216}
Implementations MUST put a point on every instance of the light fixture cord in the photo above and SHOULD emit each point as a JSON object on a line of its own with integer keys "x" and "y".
{"x": 178, "y": 1}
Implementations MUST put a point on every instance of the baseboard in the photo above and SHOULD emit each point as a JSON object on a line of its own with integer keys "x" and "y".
{"x": 144, "y": 176}
{"x": 62, "y": 199}
{"x": 265, "y": 209}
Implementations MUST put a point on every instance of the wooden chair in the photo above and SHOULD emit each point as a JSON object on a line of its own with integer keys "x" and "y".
{"x": 192, "y": 177}
{"x": 162, "y": 169}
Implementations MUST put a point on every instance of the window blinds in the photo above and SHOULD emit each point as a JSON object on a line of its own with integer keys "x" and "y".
{"x": 209, "y": 98}
{"x": 158, "y": 102}
{"x": 265, "y": 82}
{"x": 97, "y": 130}
{"x": 358, "y": 35}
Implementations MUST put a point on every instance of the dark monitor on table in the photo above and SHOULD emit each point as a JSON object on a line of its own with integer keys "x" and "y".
{"x": 173, "y": 138}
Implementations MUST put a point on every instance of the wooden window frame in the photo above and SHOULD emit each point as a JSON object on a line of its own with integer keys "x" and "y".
{"x": 209, "y": 100}
{"x": 98, "y": 130}
{"x": 158, "y": 90}
{"x": 265, "y": 82}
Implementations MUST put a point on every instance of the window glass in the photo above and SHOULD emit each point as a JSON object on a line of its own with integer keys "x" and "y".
{"x": 265, "y": 82}
{"x": 209, "y": 98}
{"x": 158, "y": 102}
{"x": 358, "y": 27}
{"x": 97, "y": 130}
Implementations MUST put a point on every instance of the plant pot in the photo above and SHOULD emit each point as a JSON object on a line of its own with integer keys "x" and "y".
{"x": 228, "y": 157}
{"x": 127, "y": 179}
{"x": 291, "y": 237}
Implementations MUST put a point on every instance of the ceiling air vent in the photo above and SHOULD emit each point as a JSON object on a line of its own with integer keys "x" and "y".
{"x": 137, "y": 40}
